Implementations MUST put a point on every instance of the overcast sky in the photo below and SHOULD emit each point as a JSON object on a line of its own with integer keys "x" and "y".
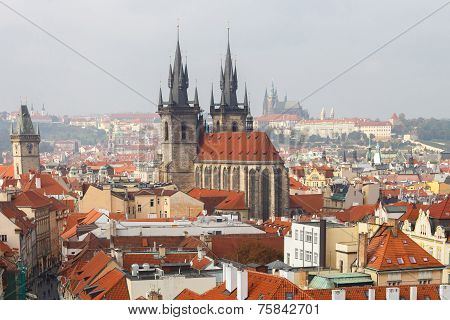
{"x": 299, "y": 44}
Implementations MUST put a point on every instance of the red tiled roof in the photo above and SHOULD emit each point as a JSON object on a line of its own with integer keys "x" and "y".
{"x": 49, "y": 185}
{"x": 427, "y": 291}
{"x": 389, "y": 252}
{"x": 310, "y": 203}
{"x": 6, "y": 171}
{"x": 219, "y": 199}
{"x": 237, "y": 146}
{"x": 440, "y": 210}
{"x": 201, "y": 264}
{"x": 294, "y": 184}
{"x": 261, "y": 286}
{"x": 90, "y": 270}
{"x": 5, "y": 249}
{"x": 17, "y": 216}
{"x": 31, "y": 199}
{"x": 187, "y": 294}
{"x": 111, "y": 286}
{"x": 277, "y": 226}
{"x": 356, "y": 213}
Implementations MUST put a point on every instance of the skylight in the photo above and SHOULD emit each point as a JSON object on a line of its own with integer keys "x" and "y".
{"x": 425, "y": 259}
{"x": 400, "y": 261}
{"x": 388, "y": 260}
{"x": 412, "y": 260}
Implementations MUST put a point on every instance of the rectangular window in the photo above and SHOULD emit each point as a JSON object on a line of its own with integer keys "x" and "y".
{"x": 316, "y": 238}
{"x": 296, "y": 235}
{"x": 308, "y": 256}
{"x": 152, "y": 202}
{"x": 296, "y": 253}
{"x": 301, "y": 235}
{"x": 301, "y": 254}
{"x": 309, "y": 236}
{"x": 139, "y": 208}
{"x": 4, "y": 238}
{"x": 316, "y": 257}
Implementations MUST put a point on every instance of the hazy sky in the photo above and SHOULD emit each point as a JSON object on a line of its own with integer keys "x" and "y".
{"x": 299, "y": 44}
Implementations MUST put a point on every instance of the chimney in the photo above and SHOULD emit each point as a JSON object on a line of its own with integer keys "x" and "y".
{"x": 134, "y": 270}
{"x": 200, "y": 253}
{"x": 162, "y": 251}
{"x": 392, "y": 294}
{"x": 413, "y": 293}
{"x": 371, "y": 294}
{"x": 338, "y": 294}
{"x": 362, "y": 251}
{"x": 395, "y": 228}
{"x": 231, "y": 274}
{"x": 444, "y": 292}
{"x": 242, "y": 285}
{"x": 38, "y": 182}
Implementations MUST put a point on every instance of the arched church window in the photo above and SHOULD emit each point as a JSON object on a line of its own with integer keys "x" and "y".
{"x": 226, "y": 179}
{"x": 265, "y": 194}
{"x": 166, "y": 131}
{"x": 216, "y": 178}
{"x": 234, "y": 126}
{"x": 208, "y": 177}
{"x": 236, "y": 179}
{"x": 183, "y": 131}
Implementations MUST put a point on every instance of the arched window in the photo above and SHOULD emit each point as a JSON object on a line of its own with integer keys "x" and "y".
{"x": 226, "y": 179}
{"x": 198, "y": 177}
{"x": 236, "y": 179}
{"x": 166, "y": 131}
{"x": 252, "y": 191}
{"x": 208, "y": 177}
{"x": 234, "y": 126}
{"x": 265, "y": 194}
{"x": 278, "y": 186}
{"x": 216, "y": 178}
{"x": 183, "y": 130}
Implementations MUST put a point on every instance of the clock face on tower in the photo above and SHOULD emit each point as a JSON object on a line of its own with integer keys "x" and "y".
{"x": 29, "y": 148}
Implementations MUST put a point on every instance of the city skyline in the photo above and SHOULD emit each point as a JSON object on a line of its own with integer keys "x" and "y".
{"x": 404, "y": 77}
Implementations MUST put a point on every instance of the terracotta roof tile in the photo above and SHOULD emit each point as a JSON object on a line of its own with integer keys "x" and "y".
{"x": 237, "y": 146}
{"x": 389, "y": 252}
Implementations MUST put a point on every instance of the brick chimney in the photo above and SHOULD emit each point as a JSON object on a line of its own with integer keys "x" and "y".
{"x": 363, "y": 243}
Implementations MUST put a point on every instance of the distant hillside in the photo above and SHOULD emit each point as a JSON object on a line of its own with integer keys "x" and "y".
{"x": 426, "y": 129}
{"x": 57, "y": 131}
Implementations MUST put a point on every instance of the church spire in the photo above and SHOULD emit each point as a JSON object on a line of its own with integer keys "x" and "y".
{"x": 178, "y": 78}
{"x": 212, "y": 96}
{"x": 160, "y": 101}
{"x": 196, "y": 103}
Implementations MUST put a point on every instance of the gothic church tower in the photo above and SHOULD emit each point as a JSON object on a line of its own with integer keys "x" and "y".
{"x": 229, "y": 115}
{"x": 25, "y": 144}
{"x": 181, "y": 123}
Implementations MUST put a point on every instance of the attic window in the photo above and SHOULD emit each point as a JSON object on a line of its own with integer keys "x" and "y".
{"x": 388, "y": 260}
{"x": 405, "y": 242}
{"x": 400, "y": 261}
{"x": 425, "y": 259}
{"x": 412, "y": 260}
{"x": 373, "y": 259}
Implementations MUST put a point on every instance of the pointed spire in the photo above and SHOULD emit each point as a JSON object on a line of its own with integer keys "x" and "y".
{"x": 186, "y": 77}
{"x": 170, "y": 76}
{"x": 160, "y": 101}
{"x": 171, "y": 102}
{"x": 212, "y": 97}
{"x": 245, "y": 97}
{"x": 222, "y": 99}
{"x": 222, "y": 77}
{"x": 196, "y": 103}
{"x": 38, "y": 131}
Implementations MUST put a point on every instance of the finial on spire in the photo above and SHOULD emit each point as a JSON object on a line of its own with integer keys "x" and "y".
{"x": 178, "y": 29}
{"x": 228, "y": 31}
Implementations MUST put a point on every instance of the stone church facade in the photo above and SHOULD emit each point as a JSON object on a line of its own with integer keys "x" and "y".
{"x": 232, "y": 157}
